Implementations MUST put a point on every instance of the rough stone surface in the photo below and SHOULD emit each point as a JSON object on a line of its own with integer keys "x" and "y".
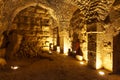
{"x": 14, "y": 44}
{"x": 2, "y": 53}
{"x": 34, "y": 24}
{"x": 2, "y": 62}
{"x": 52, "y": 67}
{"x": 74, "y": 15}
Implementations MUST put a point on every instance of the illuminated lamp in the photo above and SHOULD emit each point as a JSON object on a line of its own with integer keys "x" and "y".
{"x": 101, "y": 73}
{"x": 82, "y": 63}
{"x": 14, "y": 67}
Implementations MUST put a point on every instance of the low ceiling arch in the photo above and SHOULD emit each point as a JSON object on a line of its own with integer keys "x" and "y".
{"x": 51, "y": 11}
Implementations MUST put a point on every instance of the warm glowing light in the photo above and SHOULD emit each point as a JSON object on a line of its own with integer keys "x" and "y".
{"x": 67, "y": 44}
{"x": 66, "y": 49}
{"x": 50, "y": 52}
{"x": 14, "y": 67}
{"x": 101, "y": 73}
{"x": 49, "y": 39}
{"x": 74, "y": 52}
{"x": 99, "y": 63}
{"x": 80, "y": 58}
{"x": 52, "y": 46}
{"x": 66, "y": 54}
{"x": 82, "y": 62}
{"x": 58, "y": 49}
{"x": 45, "y": 48}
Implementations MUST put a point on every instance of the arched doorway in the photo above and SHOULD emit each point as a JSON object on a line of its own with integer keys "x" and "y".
{"x": 33, "y": 26}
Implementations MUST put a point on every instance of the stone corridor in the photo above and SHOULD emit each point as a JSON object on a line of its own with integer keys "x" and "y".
{"x": 51, "y": 67}
{"x": 89, "y": 29}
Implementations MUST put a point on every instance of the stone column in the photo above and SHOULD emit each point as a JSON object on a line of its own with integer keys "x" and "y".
{"x": 94, "y": 34}
{"x": 65, "y": 41}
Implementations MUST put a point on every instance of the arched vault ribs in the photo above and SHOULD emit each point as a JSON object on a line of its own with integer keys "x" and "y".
{"x": 89, "y": 16}
{"x": 51, "y": 11}
{"x": 93, "y": 10}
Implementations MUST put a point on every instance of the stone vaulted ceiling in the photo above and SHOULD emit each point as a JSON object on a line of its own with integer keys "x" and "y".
{"x": 90, "y": 11}
{"x": 61, "y": 10}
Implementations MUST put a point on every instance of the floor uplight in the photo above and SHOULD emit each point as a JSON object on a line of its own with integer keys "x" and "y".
{"x": 82, "y": 62}
{"x": 101, "y": 72}
{"x": 14, "y": 67}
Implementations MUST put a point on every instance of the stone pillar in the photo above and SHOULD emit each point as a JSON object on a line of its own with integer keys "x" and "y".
{"x": 64, "y": 35}
{"x": 92, "y": 49}
{"x": 94, "y": 34}
{"x": 99, "y": 50}
{"x": 64, "y": 41}
{"x": 61, "y": 42}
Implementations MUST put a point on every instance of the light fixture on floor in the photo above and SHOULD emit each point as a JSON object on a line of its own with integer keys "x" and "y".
{"x": 14, "y": 67}
{"x": 81, "y": 62}
{"x": 66, "y": 54}
{"x": 101, "y": 73}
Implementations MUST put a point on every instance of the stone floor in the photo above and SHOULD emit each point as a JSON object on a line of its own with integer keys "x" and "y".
{"x": 52, "y": 67}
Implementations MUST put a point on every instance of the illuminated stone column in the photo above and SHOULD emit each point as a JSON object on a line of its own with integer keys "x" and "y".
{"x": 95, "y": 48}
{"x": 99, "y": 51}
{"x": 65, "y": 41}
{"x": 61, "y": 42}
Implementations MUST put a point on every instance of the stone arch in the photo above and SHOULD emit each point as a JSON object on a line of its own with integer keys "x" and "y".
{"x": 11, "y": 19}
{"x": 8, "y": 11}
{"x": 51, "y": 11}
{"x": 78, "y": 31}
{"x": 30, "y": 28}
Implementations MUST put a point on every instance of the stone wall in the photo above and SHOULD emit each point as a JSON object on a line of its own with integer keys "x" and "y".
{"x": 111, "y": 30}
{"x": 78, "y": 31}
{"x": 34, "y": 24}
{"x": 59, "y": 10}
{"x": 105, "y": 31}
{"x": 30, "y": 33}
{"x": 9, "y": 9}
